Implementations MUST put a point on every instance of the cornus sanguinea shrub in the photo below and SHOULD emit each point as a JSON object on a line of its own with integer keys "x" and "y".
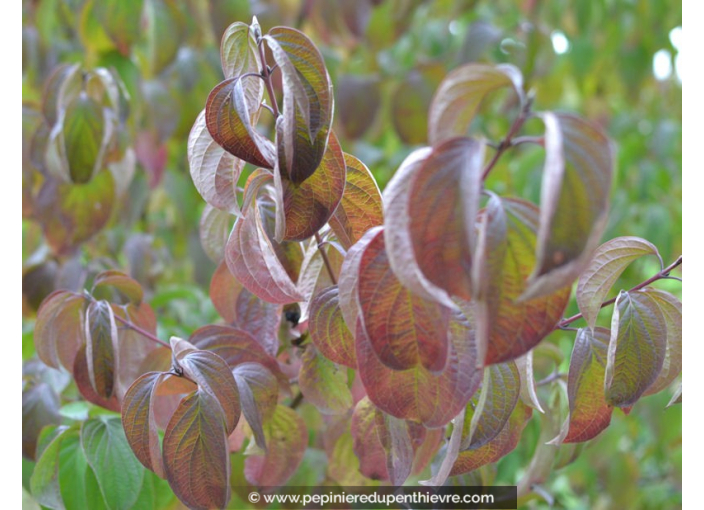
{"x": 409, "y": 319}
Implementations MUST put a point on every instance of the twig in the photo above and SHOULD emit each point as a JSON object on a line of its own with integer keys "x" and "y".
{"x": 143, "y": 332}
{"x": 325, "y": 258}
{"x": 506, "y": 142}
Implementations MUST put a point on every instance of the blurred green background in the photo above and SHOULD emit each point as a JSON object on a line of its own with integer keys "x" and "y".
{"x": 615, "y": 62}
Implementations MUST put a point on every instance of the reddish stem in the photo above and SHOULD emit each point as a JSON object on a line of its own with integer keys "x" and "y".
{"x": 143, "y": 332}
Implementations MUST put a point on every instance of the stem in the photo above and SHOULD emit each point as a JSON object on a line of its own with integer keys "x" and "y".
{"x": 325, "y": 258}
{"x": 296, "y": 400}
{"x": 662, "y": 275}
{"x": 506, "y": 142}
{"x": 266, "y": 75}
{"x": 143, "y": 332}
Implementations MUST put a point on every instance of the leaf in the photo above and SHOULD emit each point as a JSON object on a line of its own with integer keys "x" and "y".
{"x": 164, "y": 29}
{"x": 44, "y": 482}
{"x": 607, "y": 264}
{"x": 671, "y": 308}
{"x": 83, "y": 131}
{"x": 259, "y": 393}
{"x": 676, "y": 397}
{"x": 244, "y": 310}
{"x": 132, "y": 346}
{"x": 574, "y": 200}
{"x": 396, "y": 440}
{"x": 79, "y": 487}
{"x": 228, "y": 118}
{"x": 121, "y": 21}
{"x": 196, "y": 454}
{"x": 302, "y": 133}
{"x": 40, "y": 407}
{"x": 251, "y": 259}
{"x": 62, "y": 84}
{"x": 636, "y": 349}
{"x": 417, "y": 394}
{"x": 118, "y": 472}
{"x": 589, "y": 411}
{"x": 307, "y": 206}
{"x": 81, "y": 376}
{"x": 328, "y": 330}
{"x": 125, "y": 288}
{"x": 212, "y": 375}
{"x": 397, "y": 218}
{"x": 403, "y": 329}
{"x": 358, "y": 99}
{"x": 448, "y": 183}
{"x": 528, "y": 386}
{"x": 509, "y": 328}
{"x": 460, "y": 94}
{"x": 59, "y": 331}
{"x": 505, "y": 442}
{"x": 498, "y": 398}
{"x": 214, "y": 231}
{"x": 343, "y": 463}
{"x": 411, "y": 99}
{"x": 139, "y": 422}
{"x": 367, "y": 445}
{"x": 239, "y": 53}
{"x": 101, "y": 348}
{"x": 323, "y": 383}
{"x": 360, "y": 208}
{"x": 286, "y": 439}
{"x": 214, "y": 171}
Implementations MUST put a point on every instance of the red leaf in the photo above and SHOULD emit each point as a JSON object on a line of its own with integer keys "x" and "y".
{"x": 328, "y": 330}
{"x": 59, "y": 331}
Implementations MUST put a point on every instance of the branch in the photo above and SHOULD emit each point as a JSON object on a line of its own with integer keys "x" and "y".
{"x": 662, "y": 275}
{"x": 506, "y": 142}
{"x": 325, "y": 258}
{"x": 143, "y": 332}
{"x": 266, "y": 75}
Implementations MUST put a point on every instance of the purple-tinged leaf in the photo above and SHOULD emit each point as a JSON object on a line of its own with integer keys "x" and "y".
{"x": 228, "y": 119}
{"x": 63, "y": 83}
{"x": 308, "y": 103}
{"x": 396, "y": 440}
{"x": 238, "y": 51}
{"x": 214, "y": 171}
{"x": 307, "y": 206}
{"x": 328, "y": 330}
{"x": 323, "y": 383}
{"x": 443, "y": 204}
{"x": 360, "y": 208}
{"x": 397, "y": 217}
{"x": 451, "y": 452}
{"x": 460, "y": 94}
{"x": 607, "y": 264}
{"x": 101, "y": 348}
{"x": 59, "y": 331}
{"x": 253, "y": 262}
{"x": 195, "y": 452}
{"x": 286, "y": 440}
{"x": 404, "y": 330}
{"x": 259, "y": 393}
{"x": 357, "y": 99}
{"x": 367, "y": 444}
{"x": 498, "y": 398}
{"x": 574, "y": 201}
{"x": 128, "y": 289}
{"x": 84, "y": 384}
{"x": 589, "y": 411}
{"x": 214, "y": 229}
{"x": 139, "y": 421}
{"x": 636, "y": 349}
{"x": 244, "y": 310}
{"x": 671, "y": 309}
{"x": 40, "y": 407}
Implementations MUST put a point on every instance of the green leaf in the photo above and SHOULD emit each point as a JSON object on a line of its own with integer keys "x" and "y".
{"x": 360, "y": 208}
{"x": 323, "y": 383}
{"x": 118, "y": 472}
{"x": 461, "y": 93}
{"x": 79, "y": 487}
{"x": 607, "y": 264}
{"x": 637, "y": 348}
{"x": 44, "y": 483}
{"x": 101, "y": 347}
{"x": 410, "y": 102}
{"x": 83, "y": 132}
{"x": 328, "y": 330}
{"x": 574, "y": 201}
{"x": 121, "y": 21}
{"x": 671, "y": 308}
{"x": 287, "y": 439}
{"x": 165, "y": 30}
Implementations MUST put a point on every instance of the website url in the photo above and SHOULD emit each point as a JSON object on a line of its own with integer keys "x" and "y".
{"x": 384, "y": 499}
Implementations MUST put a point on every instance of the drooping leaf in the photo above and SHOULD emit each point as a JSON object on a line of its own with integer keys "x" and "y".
{"x": 323, "y": 383}
{"x": 81, "y": 376}
{"x": 501, "y": 388}
{"x": 360, "y": 208}
{"x": 213, "y": 376}
{"x": 259, "y": 393}
{"x": 214, "y": 229}
{"x": 607, "y": 264}
{"x": 83, "y": 130}
{"x": 501, "y": 445}
{"x": 403, "y": 329}
{"x": 443, "y": 203}
{"x": 214, "y": 171}
{"x": 529, "y": 395}
{"x": 589, "y": 411}
{"x": 671, "y": 308}
{"x": 59, "y": 331}
{"x": 228, "y": 117}
{"x": 244, "y": 310}
{"x": 251, "y": 259}
{"x": 328, "y": 330}
{"x": 117, "y": 287}
{"x": 396, "y": 222}
{"x": 195, "y": 452}
{"x": 396, "y": 440}
{"x": 306, "y": 207}
{"x": 139, "y": 422}
{"x": 106, "y": 448}
{"x": 164, "y": 29}
{"x": 636, "y": 349}
{"x": 574, "y": 200}
{"x": 286, "y": 439}
{"x": 101, "y": 347}
{"x": 238, "y": 51}
{"x": 460, "y": 94}
{"x": 417, "y": 394}
{"x": 367, "y": 445}
{"x": 302, "y": 131}
{"x": 506, "y": 327}
{"x": 121, "y": 21}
